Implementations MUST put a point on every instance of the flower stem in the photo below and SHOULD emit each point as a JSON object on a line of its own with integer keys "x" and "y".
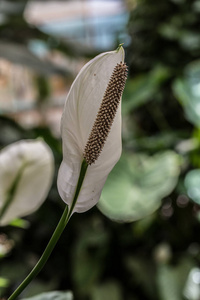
{"x": 55, "y": 237}
{"x": 38, "y": 267}
{"x": 83, "y": 170}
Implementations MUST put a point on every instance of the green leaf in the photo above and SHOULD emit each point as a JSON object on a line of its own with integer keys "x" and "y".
{"x": 143, "y": 88}
{"x": 171, "y": 279}
{"x": 137, "y": 184}
{"x": 55, "y": 295}
{"x": 21, "y": 223}
{"x": 161, "y": 141}
{"x": 187, "y": 91}
{"x": 192, "y": 287}
{"x": 192, "y": 184}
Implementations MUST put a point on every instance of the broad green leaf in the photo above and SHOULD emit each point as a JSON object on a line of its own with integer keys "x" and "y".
{"x": 188, "y": 39}
{"x": 171, "y": 279}
{"x": 192, "y": 184}
{"x": 55, "y": 295}
{"x": 38, "y": 286}
{"x": 192, "y": 287}
{"x": 143, "y": 88}
{"x": 187, "y": 90}
{"x": 137, "y": 185}
{"x": 161, "y": 141}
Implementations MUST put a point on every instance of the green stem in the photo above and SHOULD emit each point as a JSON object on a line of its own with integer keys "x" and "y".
{"x": 38, "y": 267}
{"x": 79, "y": 184}
{"x": 55, "y": 237}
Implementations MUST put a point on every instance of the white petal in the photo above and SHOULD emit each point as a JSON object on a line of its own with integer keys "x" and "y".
{"x": 81, "y": 107}
{"x": 35, "y": 181}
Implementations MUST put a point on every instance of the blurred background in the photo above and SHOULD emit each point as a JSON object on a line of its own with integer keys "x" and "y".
{"x": 142, "y": 242}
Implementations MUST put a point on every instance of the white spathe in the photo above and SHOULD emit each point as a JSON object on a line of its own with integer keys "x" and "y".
{"x": 32, "y": 162}
{"x": 81, "y": 108}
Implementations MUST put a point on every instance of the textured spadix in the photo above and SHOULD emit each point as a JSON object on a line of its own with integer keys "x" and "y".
{"x": 82, "y": 114}
{"x": 26, "y": 172}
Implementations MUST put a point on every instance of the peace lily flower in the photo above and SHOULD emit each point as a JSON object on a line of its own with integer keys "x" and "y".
{"x": 26, "y": 172}
{"x": 91, "y": 128}
{"x": 91, "y": 134}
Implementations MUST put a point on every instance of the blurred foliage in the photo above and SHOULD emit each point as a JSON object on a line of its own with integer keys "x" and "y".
{"x": 152, "y": 258}
{"x": 192, "y": 184}
{"x": 187, "y": 91}
{"x": 141, "y": 182}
